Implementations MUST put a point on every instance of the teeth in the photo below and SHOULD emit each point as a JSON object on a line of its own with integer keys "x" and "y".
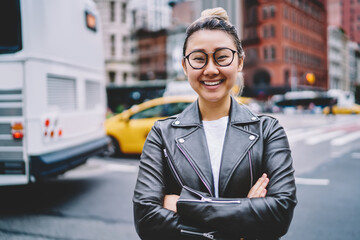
{"x": 212, "y": 83}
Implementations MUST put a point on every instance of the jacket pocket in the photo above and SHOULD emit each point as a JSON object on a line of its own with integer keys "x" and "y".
{"x": 201, "y": 235}
{"x": 190, "y": 195}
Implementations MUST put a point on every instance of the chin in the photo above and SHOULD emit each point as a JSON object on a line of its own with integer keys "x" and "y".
{"x": 214, "y": 99}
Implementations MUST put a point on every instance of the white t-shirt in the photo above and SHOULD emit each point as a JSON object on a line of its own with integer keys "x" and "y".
{"x": 215, "y": 134}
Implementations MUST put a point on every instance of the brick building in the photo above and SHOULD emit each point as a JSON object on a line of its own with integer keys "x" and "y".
{"x": 283, "y": 41}
{"x": 152, "y": 54}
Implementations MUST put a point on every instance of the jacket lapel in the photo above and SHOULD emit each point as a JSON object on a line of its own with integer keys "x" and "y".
{"x": 192, "y": 143}
{"x": 194, "y": 147}
{"x": 237, "y": 143}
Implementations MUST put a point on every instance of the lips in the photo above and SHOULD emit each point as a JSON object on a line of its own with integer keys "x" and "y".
{"x": 212, "y": 83}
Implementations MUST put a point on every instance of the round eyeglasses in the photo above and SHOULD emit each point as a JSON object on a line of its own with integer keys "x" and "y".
{"x": 222, "y": 56}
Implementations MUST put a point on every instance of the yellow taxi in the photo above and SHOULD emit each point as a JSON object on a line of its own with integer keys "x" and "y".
{"x": 129, "y": 129}
{"x": 354, "y": 109}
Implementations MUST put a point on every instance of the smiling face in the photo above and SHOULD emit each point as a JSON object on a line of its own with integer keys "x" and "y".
{"x": 213, "y": 82}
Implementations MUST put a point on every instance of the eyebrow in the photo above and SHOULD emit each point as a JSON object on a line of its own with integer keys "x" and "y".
{"x": 203, "y": 50}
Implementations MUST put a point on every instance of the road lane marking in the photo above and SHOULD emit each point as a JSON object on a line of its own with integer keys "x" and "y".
{"x": 95, "y": 167}
{"x": 303, "y": 135}
{"x": 345, "y": 139}
{"x": 312, "y": 181}
{"x": 323, "y": 137}
{"x": 294, "y": 131}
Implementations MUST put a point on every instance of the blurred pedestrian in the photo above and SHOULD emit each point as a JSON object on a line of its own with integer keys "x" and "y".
{"x": 217, "y": 170}
{"x": 331, "y": 106}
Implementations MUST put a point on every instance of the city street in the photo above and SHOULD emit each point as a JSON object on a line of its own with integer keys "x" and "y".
{"x": 93, "y": 202}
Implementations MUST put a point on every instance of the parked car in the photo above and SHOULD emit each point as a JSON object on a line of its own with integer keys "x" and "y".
{"x": 128, "y": 130}
{"x": 354, "y": 109}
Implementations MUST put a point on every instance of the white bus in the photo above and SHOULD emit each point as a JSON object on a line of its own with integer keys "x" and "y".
{"x": 52, "y": 89}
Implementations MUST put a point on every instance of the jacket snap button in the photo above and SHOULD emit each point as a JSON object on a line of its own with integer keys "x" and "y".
{"x": 252, "y": 137}
{"x": 177, "y": 122}
{"x": 253, "y": 118}
{"x": 181, "y": 140}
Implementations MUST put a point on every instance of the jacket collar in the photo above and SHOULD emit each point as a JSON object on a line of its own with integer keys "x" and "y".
{"x": 191, "y": 116}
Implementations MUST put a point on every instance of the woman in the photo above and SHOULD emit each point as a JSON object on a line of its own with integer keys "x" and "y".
{"x": 198, "y": 170}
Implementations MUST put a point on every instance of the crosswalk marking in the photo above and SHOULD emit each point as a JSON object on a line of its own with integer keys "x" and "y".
{"x": 293, "y": 132}
{"x": 345, "y": 139}
{"x": 323, "y": 137}
{"x": 312, "y": 181}
{"x": 303, "y": 135}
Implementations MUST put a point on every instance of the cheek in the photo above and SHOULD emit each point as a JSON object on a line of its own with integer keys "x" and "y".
{"x": 193, "y": 75}
{"x": 231, "y": 73}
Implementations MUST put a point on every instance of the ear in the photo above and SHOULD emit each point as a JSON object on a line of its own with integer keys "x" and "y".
{"x": 183, "y": 63}
{"x": 240, "y": 66}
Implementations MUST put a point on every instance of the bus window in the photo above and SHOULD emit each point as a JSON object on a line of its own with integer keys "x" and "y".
{"x": 10, "y": 26}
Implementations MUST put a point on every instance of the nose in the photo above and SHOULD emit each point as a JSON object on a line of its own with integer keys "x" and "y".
{"x": 211, "y": 68}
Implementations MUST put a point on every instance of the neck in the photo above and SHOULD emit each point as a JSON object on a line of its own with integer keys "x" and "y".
{"x": 214, "y": 110}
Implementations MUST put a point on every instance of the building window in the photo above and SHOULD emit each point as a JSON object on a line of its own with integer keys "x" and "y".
{"x": 287, "y": 57}
{"x": 286, "y": 32}
{"x": 112, "y": 11}
{"x": 272, "y": 31}
{"x": 112, "y": 76}
{"x": 265, "y": 53}
{"x": 272, "y": 11}
{"x": 123, "y": 13}
{"x": 125, "y": 77}
{"x": 285, "y": 12}
{"x": 112, "y": 45}
{"x": 124, "y": 45}
{"x": 287, "y": 77}
{"x": 265, "y": 32}
{"x": 273, "y": 53}
{"x": 265, "y": 15}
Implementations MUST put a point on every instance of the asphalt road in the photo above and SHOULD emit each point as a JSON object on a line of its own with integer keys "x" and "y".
{"x": 94, "y": 200}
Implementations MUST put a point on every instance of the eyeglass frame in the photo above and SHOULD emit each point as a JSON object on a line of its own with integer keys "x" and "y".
{"x": 213, "y": 54}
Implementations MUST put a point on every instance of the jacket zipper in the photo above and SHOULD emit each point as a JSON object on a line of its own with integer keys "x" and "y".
{"x": 173, "y": 169}
{"x": 251, "y": 172}
{"x": 206, "y": 199}
{"x": 192, "y": 165}
{"x": 208, "y": 235}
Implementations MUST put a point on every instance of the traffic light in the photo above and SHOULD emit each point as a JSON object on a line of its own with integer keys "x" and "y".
{"x": 310, "y": 78}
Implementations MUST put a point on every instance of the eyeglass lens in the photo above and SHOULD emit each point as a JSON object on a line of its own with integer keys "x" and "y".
{"x": 223, "y": 57}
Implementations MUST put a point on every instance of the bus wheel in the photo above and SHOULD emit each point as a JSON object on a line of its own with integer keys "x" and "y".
{"x": 113, "y": 148}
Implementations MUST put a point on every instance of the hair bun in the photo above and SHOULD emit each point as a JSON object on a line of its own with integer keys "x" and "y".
{"x": 215, "y": 12}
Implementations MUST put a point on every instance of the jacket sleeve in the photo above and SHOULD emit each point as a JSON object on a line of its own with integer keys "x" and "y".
{"x": 152, "y": 221}
{"x": 261, "y": 218}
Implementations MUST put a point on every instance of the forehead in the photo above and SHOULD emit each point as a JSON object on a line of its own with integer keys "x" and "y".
{"x": 210, "y": 40}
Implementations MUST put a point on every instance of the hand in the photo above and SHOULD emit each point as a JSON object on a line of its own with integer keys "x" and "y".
{"x": 170, "y": 202}
{"x": 259, "y": 189}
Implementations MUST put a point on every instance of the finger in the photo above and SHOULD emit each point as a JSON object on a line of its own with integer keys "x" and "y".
{"x": 259, "y": 182}
{"x": 263, "y": 193}
{"x": 255, "y": 189}
{"x": 261, "y": 188}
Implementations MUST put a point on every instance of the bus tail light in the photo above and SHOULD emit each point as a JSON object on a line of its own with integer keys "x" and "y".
{"x": 47, "y": 122}
{"x": 18, "y": 135}
{"x": 17, "y": 130}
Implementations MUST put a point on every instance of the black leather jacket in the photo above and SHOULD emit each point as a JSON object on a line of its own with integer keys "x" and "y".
{"x": 175, "y": 160}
